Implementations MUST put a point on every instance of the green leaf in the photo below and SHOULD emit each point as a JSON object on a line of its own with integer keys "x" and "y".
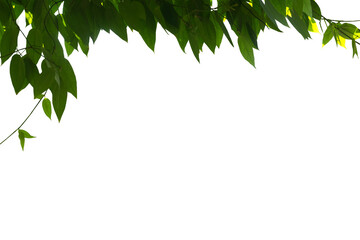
{"x": 59, "y": 98}
{"x": 246, "y": 46}
{"x": 280, "y": 6}
{"x": 67, "y": 77}
{"x": 148, "y": 33}
{"x": 22, "y": 135}
{"x": 8, "y": 43}
{"x": 115, "y": 21}
{"x": 354, "y": 47}
{"x": 348, "y": 31}
{"x": 300, "y": 24}
{"x": 34, "y": 45}
{"x": 316, "y": 12}
{"x": 172, "y": 19}
{"x": 4, "y": 12}
{"x": 76, "y": 14}
{"x": 46, "y": 79}
{"x": 194, "y": 45}
{"x": 328, "y": 35}
{"x": 207, "y": 32}
{"x": 223, "y": 27}
{"x": 133, "y": 13}
{"x": 31, "y": 70}
{"x": 298, "y": 6}
{"x": 307, "y": 8}
{"x": 46, "y": 104}
{"x": 17, "y": 73}
{"x": 273, "y": 14}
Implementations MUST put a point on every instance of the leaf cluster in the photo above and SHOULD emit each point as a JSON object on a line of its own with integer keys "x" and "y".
{"x": 54, "y": 28}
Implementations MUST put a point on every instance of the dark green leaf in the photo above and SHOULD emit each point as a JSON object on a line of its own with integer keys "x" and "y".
{"x": 8, "y": 42}
{"x": 300, "y": 24}
{"x": 31, "y": 70}
{"x": 17, "y": 73}
{"x": 298, "y": 6}
{"x": 133, "y": 13}
{"x": 273, "y": 14}
{"x": 34, "y": 45}
{"x": 68, "y": 78}
{"x": 246, "y": 46}
{"x": 223, "y": 27}
{"x": 172, "y": 19}
{"x": 316, "y": 12}
{"x": 354, "y": 47}
{"x": 46, "y": 79}
{"x": 59, "y": 98}
{"x": 307, "y": 8}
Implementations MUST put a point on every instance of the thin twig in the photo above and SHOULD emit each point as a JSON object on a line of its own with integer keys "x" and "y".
{"x": 24, "y": 120}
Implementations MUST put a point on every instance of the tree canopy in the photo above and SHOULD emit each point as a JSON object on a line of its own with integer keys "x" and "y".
{"x": 37, "y": 36}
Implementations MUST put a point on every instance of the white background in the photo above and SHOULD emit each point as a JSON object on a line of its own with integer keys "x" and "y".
{"x": 158, "y": 146}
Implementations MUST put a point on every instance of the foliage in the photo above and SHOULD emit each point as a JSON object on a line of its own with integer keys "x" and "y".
{"x": 54, "y": 26}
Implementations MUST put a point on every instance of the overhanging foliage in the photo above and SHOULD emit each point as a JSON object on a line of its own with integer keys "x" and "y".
{"x": 55, "y": 27}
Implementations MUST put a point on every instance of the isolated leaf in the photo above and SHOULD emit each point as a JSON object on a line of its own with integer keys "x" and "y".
{"x": 46, "y": 104}
{"x": 22, "y": 135}
{"x": 17, "y": 73}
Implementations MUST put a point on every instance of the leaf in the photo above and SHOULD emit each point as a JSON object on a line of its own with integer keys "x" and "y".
{"x": 34, "y": 44}
{"x": 172, "y": 20}
{"x": 246, "y": 46}
{"x": 307, "y": 8}
{"x": 17, "y": 73}
{"x": 31, "y": 70}
{"x": 76, "y": 14}
{"x": 46, "y": 104}
{"x": 316, "y": 12}
{"x": 148, "y": 33}
{"x": 133, "y": 13}
{"x": 59, "y": 98}
{"x": 354, "y": 47}
{"x": 328, "y": 35}
{"x": 298, "y": 6}
{"x": 22, "y": 135}
{"x": 348, "y": 31}
{"x": 8, "y": 43}
{"x": 272, "y": 13}
{"x": 44, "y": 80}
{"x": 301, "y": 25}
{"x": 313, "y": 26}
{"x": 207, "y": 32}
{"x": 339, "y": 39}
{"x": 223, "y": 27}
{"x": 28, "y": 17}
{"x": 67, "y": 77}
{"x": 115, "y": 21}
